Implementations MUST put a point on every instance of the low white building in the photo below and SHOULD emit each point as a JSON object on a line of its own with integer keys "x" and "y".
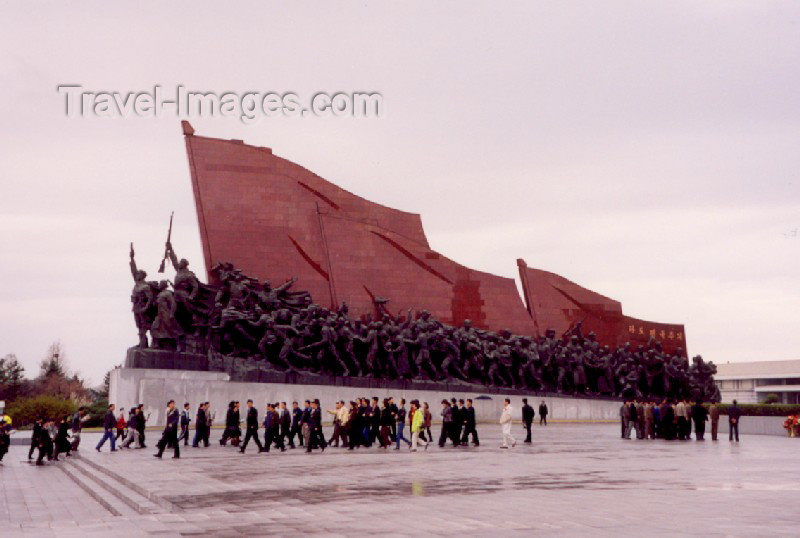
{"x": 751, "y": 382}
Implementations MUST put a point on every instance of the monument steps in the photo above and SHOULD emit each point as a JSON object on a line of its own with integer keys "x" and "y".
{"x": 113, "y": 504}
{"x": 133, "y": 502}
{"x": 158, "y": 503}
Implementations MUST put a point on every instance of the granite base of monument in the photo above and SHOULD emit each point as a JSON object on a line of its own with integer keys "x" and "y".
{"x": 153, "y": 387}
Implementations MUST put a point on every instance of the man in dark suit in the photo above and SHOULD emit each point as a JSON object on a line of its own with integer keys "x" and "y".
{"x": 252, "y": 428}
{"x": 200, "y": 426}
{"x": 272, "y": 429}
{"x": 305, "y": 428}
{"x": 457, "y": 424}
{"x": 375, "y": 420}
{"x": 170, "y": 434}
{"x": 734, "y": 414}
{"x": 297, "y": 419}
{"x": 109, "y": 423}
{"x": 527, "y": 418}
{"x": 141, "y": 424}
{"x": 315, "y": 427}
{"x": 469, "y": 424}
{"x": 286, "y": 423}
{"x": 543, "y": 413}
{"x": 37, "y": 427}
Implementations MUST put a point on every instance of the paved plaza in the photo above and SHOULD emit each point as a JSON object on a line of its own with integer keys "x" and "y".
{"x": 576, "y": 479}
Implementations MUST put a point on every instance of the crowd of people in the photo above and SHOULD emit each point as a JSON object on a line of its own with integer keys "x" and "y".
{"x": 284, "y": 330}
{"x": 360, "y": 423}
{"x": 673, "y": 419}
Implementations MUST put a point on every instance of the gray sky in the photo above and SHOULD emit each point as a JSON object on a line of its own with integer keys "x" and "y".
{"x": 648, "y": 151}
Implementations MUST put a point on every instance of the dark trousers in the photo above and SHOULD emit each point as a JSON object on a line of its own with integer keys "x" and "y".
{"x": 385, "y": 435}
{"x": 45, "y": 450}
{"x": 141, "y": 438}
{"x": 339, "y": 432}
{"x": 169, "y": 437}
{"x": 699, "y": 429}
{"x": 184, "y": 435}
{"x": 272, "y": 435}
{"x": 714, "y": 425}
{"x": 120, "y": 434}
{"x": 316, "y": 439}
{"x": 295, "y": 431}
{"x": 34, "y": 446}
{"x": 455, "y": 434}
{"x": 470, "y": 429}
{"x": 252, "y": 433}
{"x": 528, "y": 429}
{"x": 733, "y": 430}
{"x": 445, "y": 434}
{"x": 200, "y": 436}
{"x": 542, "y": 418}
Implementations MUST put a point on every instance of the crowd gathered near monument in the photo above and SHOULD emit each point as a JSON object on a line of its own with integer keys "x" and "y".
{"x": 286, "y": 331}
{"x": 673, "y": 419}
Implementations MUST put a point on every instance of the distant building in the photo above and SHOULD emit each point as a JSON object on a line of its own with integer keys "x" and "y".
{"x": 751, "y": 382}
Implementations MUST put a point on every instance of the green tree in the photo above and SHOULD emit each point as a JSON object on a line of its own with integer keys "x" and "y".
{"x": 12, "y": 378}
{"x": 55, "y": 379}
{"x": 25, "y": 411}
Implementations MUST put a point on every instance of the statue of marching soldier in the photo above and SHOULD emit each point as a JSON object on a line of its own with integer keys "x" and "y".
{"x": 286, "y": 331}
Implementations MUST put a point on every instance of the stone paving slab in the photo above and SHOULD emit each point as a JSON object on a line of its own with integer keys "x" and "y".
{"x": 573, "y": 480}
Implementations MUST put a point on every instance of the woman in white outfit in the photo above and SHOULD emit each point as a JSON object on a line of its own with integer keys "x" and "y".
{"x": 505, "y": 422}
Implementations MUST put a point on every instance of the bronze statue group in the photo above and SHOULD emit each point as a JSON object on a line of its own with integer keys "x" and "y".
{"x": 284, "y": 331}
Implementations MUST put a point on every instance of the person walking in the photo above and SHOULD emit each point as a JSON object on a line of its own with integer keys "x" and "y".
{"x": 713, "y": 412}
{"x": 315, "y": 427}
{"x": 340, "y": 417}
{"x": 252, "y": 428}
{"x": 401, "y": 425}
{"x": 285, "y": 422}
{"x": 121, "y": 424}
{"x": 61, "y": 442}
{"x": 305, "y": 428}
{"x": 469, "y": 425}
{"x": 45, "y": 442}
{"x": 272, "y": 429}
{"x": 109, "y": 422}
{"x": 734, "y": 414}
{"x": 527, "y": 419}
{"x": 185, "y": 420}
{"x": 457, "y": 423}
{"x": 37, "y": 427}
{"x": 387, "y": 419}
{"x": 543, "y": 413}
{"x": 297, "y": 421}
{"x": 170, "y": 434}
{"x": 417, "y": 425}
{"x": 447, "y": 420}
{"x": 201, "y": 426}
{"x": 426, "y": 410}
{"x": 506, "y": 421}
{"x": 353, "y": 427}
{"x": 133, "y": 431}
{"x": 76, "y": 426}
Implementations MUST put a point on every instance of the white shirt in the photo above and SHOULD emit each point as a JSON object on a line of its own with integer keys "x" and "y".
{"x": 505, "y": 416}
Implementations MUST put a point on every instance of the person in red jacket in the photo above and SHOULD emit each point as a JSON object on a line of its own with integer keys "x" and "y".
{"x": 121, "y": 424}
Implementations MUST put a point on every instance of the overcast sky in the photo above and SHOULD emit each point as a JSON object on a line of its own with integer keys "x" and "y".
{"x": 648, "y": 151}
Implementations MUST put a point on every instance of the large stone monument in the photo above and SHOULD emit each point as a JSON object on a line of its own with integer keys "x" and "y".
{"x": 360, "y": 300}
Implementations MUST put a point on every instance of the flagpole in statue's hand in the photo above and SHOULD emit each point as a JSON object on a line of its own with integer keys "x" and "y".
{"x": 166, "y": 248}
